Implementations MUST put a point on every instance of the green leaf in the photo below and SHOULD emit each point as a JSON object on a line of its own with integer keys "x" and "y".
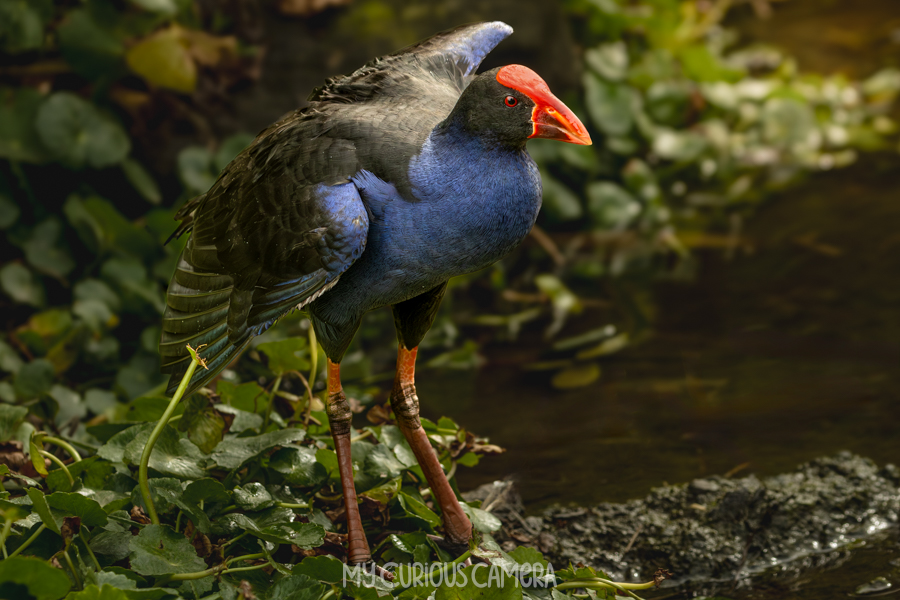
{"x": 19, "y": 140}
{"x": 479, "y": 586}
{"x": 321, "y": 568}
{"x": 274, "y": 525}
{"x": 92, "y": 50}
{"x": 233, "y": 453}
{"x": 21, "y": 285}
{"x": 560, "y": 203}
{"x": 10, "y": 419}
{"x": 418, "y": 509}
{"x": 528, "y": 556}
{"x": 92, "y": 592}
{"x": 286, "y": 355}
{"x": 40, "y": 506}
{"x": 164, "y": 59}
{"x": 114, "y": 449}
{"x": 482, "y": 520}
{"x": 171, "y": 456}
{"x": 42, "y": 252}
{"x": 102, "y": 227}
{"x": 610, "y": 61}
{"x": 576, "y": 376}
{"x": 79, "y": 134}
{"x": 609, "y": 105}
{"x": 203, "y": 424}
{"x": 246, "y": 396}
{"x": 296, "y": 587}
{"x": 43, "y": 581}
{"x": 195, "y": 169}
{"x": 160, "y": 550}
{"x": 611, "y": 206}
{"x": 788, "y": 122}
{"x": 206, "y": 490}
{"x": 682, "y": 146}
{"x": 168, "y": 8}
{"x": 22, "y": 24}
{"x": 34, "y": 378}
{"x": 142, "y": 181}
{"x": 170, "y": 490}
{"x": 9, "y": 210}
{"x": 76, "y": 505}
{"x": 252, "y": 497}
{"x": 299, "y": 467}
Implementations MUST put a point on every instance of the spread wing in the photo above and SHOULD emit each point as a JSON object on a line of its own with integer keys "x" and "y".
{"x": 284, "y": 220}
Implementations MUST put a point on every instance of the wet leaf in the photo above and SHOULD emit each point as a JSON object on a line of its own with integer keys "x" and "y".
{"x": 206, "y": 490}
{"x": 299, "y": 467}
{"x": 233, "y": 453}
{"x": 482, "y": 520}
{"x": 246, "y": 396}
{"x": 478, "y": 588}
{"x": 40, "y": 506}
{"x": 171, "y": 455}
{"x": 576, "y": 376}
{"x": 43, "y": 581}
{"x": 79, "y": 134}
{"x": 286, "y": 355}
{"x": 73, "y": 504}
{"x": 252, "y": 497}
{"x": 296, "y": 587}
{"x": 202, "y": 423}
{"x": 274, "y": 526}
{"x": 321, "y": 568}
{"x": 21, "y": 285}
{"x": 160, "y": 550}
{"x": 92, "y": 592}
{"x": 164, "y": 59}
{"x": 418, "y": 509}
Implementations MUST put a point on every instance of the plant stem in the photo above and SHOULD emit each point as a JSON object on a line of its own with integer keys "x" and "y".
{"x": 292, "y": 505}
{"x": 59, "y": 463}
{"x": 313, "y": 358}
{"x": 271, "y": 404}
{"x": 600, "y": 583}
{"x": 157, "y": 431}
{"x": 65, "y": 554}
{"x": 7, "y": 526}
{"x": 65, "y": 446}
{"x": 83, "y": 530}
{"x": 233, "y": 540}
{"x": 218, "y": 569}
{"x": 29, "y": 540}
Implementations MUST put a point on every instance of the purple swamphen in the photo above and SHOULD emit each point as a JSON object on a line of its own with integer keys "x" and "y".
{"x": 392, "y": 180}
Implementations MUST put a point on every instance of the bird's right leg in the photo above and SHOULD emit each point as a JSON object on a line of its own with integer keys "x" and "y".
{"x": 339, "y": 416}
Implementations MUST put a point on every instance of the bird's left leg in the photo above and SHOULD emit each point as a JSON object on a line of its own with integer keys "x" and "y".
{"x": 412, "y": 319}
{"x": 339, "y": 416}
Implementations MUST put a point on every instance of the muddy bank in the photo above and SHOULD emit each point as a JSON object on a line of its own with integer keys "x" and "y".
{"x": 717, "y": 533}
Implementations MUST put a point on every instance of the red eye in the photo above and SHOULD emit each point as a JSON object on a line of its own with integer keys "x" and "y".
{"x": 511, "y": 101}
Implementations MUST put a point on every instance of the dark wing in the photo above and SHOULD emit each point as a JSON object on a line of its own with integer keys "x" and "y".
{"x": 449, "y": 57}
{"x": 283, "y": 221}
{"x": 276, "y": 230}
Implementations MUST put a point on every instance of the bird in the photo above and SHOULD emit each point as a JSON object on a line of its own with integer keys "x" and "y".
{"x": 409, "y": 171}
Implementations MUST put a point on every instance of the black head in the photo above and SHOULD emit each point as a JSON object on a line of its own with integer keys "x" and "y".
{"x": 508, "y": 105}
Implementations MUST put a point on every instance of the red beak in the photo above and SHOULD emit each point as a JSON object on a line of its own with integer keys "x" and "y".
{"x": 552, "y": 119}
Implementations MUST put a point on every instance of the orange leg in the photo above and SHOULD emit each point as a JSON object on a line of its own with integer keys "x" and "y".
{"x": 339, "y": 418}
{"x": 405, "y": 403}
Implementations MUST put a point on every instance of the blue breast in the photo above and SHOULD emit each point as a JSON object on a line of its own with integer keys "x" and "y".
{"x": 471, "y": 206}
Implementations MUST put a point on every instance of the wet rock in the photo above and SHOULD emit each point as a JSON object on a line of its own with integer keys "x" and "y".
{"x": 718, "y": 532}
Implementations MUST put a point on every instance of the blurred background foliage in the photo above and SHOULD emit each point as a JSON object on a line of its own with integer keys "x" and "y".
{"x": 692, "y": 131}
